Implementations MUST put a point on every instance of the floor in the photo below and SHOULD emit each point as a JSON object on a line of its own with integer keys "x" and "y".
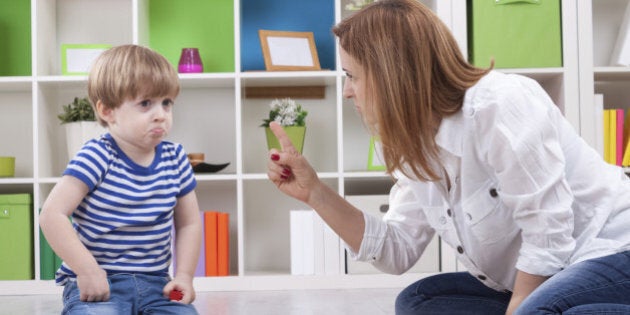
{"x": 294, "y": 302}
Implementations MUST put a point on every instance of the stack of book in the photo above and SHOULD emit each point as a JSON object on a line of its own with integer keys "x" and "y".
{"x": 615, "y": 133}
{"x": 216, "y": 248}
{"x": 214, "y": 254}
{"x": 314, "y": 246}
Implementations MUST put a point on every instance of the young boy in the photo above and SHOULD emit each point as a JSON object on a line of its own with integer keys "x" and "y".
{"x": 125, "y": 191}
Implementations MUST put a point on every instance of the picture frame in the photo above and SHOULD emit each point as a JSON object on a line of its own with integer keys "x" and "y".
{"x": 76, "y": 59}
{"x": 376, "y": 162}
{"x": 289, "y": 51}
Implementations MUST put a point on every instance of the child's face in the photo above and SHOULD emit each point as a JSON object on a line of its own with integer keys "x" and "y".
{"x": 142, "y": 122}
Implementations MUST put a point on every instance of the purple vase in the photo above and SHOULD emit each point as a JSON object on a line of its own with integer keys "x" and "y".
{"x": 190, "y": 61}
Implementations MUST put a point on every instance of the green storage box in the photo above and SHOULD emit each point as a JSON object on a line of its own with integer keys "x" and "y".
{"x": 16, "y": 237}
{"x": 516, "y": 33}
{"x": 49, "y": 262}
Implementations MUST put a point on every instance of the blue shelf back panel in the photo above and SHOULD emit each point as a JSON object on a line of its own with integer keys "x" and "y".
{"x": 286, "y": 15}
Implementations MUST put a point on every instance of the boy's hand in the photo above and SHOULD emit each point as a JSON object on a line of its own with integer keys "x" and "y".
{"x": 180, "y": 290}
{"x": 93, "y": 287}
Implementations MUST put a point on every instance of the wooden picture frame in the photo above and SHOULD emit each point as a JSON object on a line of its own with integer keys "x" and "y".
{"x": 288, "y": 51}
{"x": 76, "y": 59}
{"x": 376, "y": 162}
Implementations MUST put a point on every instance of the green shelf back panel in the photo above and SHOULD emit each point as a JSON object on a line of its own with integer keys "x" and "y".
{"x": 15, "y": 34}
{"x": 207, "y": 25}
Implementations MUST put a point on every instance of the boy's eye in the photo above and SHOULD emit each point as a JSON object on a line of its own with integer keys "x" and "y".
{"x": 145, "y": 103}
{"x": 168, "y": 102}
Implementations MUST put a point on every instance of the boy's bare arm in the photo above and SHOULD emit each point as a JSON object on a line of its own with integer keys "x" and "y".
{"x": 61, "y": 202}
{"x": 188, "y": 232}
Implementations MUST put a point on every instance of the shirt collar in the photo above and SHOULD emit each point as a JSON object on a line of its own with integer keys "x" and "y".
{"x": 450, "y": 135}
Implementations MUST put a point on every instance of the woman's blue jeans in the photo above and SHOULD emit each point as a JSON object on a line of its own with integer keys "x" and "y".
{"x": 597, "y": 286}
{"x": 129, "y": 294}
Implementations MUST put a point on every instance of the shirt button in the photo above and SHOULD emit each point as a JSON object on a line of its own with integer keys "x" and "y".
{"x": 449, "y": 212}
{"x": 442, "y": 220}
{"x": 460, "y": 249}
{"x": 481, "y": 277}
{"x": 493, "y": 193}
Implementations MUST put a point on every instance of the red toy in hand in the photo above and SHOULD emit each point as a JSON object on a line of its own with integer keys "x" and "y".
{"x": 175, "y": 295}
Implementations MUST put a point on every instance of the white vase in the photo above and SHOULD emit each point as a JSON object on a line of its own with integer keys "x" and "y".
{"x": 80, "y": 132}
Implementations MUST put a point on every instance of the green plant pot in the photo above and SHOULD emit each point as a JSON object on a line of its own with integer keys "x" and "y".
{"x": 7, "y": 166}
{"x": 295, "y": 133}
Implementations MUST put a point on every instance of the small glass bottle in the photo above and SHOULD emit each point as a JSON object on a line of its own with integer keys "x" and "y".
{"x": 190, "y": 61}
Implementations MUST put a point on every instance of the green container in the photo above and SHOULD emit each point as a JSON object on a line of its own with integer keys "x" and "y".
{"x": 16, "y": 237}
{"x": 296, "y": 135}
{"x": 7, "y": 166}
{"x": 516, "y": 33}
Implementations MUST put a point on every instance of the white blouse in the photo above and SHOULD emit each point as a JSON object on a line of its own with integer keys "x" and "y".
{"x": 526, "y": 192}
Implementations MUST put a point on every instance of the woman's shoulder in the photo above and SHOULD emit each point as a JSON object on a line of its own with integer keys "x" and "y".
{"x": 501, "y": 88}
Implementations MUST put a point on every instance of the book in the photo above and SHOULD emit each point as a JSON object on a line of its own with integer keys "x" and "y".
{"x": 621, "y": 51}
{"x": 619, "y": 136}
{"x": 626, "y": 142}
{"x": 308, "y": 241}
{"x": 211, "y": 243}
{"x": 223, "y": 244}
{"x": 599, "y": 124}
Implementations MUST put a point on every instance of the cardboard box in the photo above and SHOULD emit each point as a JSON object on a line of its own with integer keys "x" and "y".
{"x": 16, "y": 237}
{"x": 516, "y": 33}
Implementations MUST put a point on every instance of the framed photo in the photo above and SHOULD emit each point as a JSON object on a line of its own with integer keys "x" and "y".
{"x": 284, "y": 51}
{"x": 76, "y": 59}
{"x": 376, "y": 162}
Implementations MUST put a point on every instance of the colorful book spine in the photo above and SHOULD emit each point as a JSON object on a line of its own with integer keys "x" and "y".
{"x": 211, "y": 243}
{"x": 223, "y": 244}
{"x": 607, "y": 136}
{"x": 217, "y": 243}
{"x": 619, "y": 148}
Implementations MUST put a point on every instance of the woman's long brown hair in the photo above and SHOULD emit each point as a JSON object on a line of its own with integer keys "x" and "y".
{"x": 416, "y": 75}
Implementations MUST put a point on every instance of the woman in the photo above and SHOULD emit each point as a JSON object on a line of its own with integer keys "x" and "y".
{"x": 483, "y": 159}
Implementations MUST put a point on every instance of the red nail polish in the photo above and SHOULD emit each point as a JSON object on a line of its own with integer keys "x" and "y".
{"x": 286, "y": 171}
{"x": 275, "y": 157}
{"x": 284, "y": 176}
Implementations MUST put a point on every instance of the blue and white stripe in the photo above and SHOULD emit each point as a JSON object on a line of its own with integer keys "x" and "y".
{"x": 126, "y": 219}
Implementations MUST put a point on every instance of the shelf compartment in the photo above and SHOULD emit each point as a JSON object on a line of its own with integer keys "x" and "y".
{"x": 320, "y": 144}
{"x": 221, "y": 196}
{"x": 79, "y": 22}
{"x": 286, "y": 15}
{"x": 204, "y": 122}
{"x": 607, "y": 19}
{"x": 206, "y": 25}
{"x": 16, "y": 124}
{"x": 15, "y": 18}
{"x": 266, "y": 217}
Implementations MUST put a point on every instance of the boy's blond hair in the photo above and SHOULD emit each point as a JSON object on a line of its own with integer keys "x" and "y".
{"x": 130, "y": 71}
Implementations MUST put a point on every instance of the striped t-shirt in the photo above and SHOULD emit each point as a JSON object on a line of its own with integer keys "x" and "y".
{"x": 126, "y": 219}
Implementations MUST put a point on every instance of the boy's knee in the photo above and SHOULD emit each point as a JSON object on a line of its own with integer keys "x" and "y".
{"x": 100, "y": 308}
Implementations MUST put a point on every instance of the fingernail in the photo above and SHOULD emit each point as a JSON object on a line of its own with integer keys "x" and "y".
{"x": 286, "y": 171}
{"x": 284, "y": 177}
{"x": 275, "y": 157}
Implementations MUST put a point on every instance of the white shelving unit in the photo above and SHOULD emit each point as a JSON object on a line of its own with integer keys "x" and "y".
{"x": 336, "y": 142}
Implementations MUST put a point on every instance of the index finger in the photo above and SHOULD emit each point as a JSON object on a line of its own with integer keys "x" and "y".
{"x": 283, "y": 139}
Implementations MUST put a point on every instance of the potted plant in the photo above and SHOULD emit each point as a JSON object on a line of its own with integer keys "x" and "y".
{"x": 291, "y": 116}
{"x": 80, "y": 122}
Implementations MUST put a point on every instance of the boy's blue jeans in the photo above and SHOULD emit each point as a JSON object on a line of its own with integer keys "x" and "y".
{"x": 596, "y": 286}
{"x": 129, "y": 294}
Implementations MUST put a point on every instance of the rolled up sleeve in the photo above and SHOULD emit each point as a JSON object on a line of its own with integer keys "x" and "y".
{"x": 394, "y": 244}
